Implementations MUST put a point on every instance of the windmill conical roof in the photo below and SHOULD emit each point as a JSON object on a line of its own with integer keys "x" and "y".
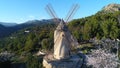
{"x": 62, "y": 26}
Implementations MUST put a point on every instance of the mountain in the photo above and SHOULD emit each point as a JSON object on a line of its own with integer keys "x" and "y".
{"x": 111, "y": 8}
{"x": 38, "y": 35}
{"x": 8, "y": 24}
{"x": 7, "y": 28}
{"x": 2, "y": 27}
{"x": 4, "y": 31}
{"x": 38, "y": 21}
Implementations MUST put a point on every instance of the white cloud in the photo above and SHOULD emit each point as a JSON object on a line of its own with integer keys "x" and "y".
{"x": 21, "y": 19}
{"x": 31, "y": 17}
{"x": 42, "y": 17}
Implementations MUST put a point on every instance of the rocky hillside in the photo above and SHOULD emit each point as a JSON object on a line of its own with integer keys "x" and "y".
{"x": 111, "y": 8}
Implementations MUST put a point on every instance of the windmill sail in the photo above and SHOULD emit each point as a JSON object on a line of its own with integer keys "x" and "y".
{"x": 52, "y": 13}
{"x": 71, "y": 12}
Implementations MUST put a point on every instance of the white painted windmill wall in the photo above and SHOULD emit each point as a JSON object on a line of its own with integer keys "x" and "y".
{"x": 63, "y": 41}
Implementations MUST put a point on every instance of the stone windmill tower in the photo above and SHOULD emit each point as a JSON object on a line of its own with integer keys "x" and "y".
{"x": 63, "y": 40}
{"x": 63, "y": 43}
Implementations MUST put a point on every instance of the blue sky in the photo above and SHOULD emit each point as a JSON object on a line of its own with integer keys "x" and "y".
{"x": 19, "y": 11}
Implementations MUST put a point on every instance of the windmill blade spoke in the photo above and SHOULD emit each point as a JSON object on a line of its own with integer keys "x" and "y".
{"x": 71, "y": 13}
{"x": 52, "y": 13}
{"x": 49, "y": 12}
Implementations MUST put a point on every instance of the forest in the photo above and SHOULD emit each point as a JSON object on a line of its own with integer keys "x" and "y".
{"x": 99, "y": 26}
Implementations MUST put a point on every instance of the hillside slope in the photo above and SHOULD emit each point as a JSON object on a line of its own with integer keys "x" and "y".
{"x": 40, "y": 37}
{"x": 6, "y": 31}
{"x": 111, "y": 8}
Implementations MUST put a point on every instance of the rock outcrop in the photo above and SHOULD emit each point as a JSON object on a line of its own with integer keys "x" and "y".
{"x": 111, "y": 8}
{"x": 74, "y": 61}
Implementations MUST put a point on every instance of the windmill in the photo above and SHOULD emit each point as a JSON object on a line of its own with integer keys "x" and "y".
{"x": 63, "y": 40}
